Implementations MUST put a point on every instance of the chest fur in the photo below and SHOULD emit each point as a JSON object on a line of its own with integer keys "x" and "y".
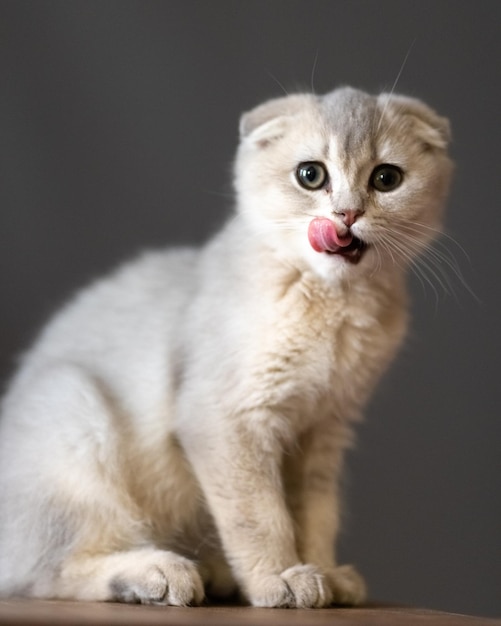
{"x": 319, "y": 349}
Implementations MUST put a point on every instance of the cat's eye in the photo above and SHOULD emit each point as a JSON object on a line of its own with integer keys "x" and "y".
{"x": 386, "y": 177}
{"x": 311, "y": 175}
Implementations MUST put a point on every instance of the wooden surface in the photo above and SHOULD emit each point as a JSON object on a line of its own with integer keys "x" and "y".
{"x": 17, "y": 612}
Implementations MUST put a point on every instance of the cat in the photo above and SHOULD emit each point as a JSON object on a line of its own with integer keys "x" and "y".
{"x": 178, "y": 429}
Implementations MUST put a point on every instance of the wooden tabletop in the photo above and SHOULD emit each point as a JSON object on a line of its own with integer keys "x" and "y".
{"x": 17, "y": 612}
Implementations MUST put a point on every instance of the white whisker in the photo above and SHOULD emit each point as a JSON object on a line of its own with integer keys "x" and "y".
{"x": 433, "y": 262}
{"x": 440, "y": 255}
{"x": 402, "y": 67}
{"x": 409, "y": 254}
{"x": 312, "y": 78}
{"x": 271, "y": 75}
{"x": 395, "y": 82}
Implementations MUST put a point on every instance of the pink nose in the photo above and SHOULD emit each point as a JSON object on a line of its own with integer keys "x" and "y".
{"x": 349, "y": 216}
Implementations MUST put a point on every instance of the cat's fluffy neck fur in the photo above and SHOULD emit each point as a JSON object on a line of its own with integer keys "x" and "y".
{"x": 284, "y": 306}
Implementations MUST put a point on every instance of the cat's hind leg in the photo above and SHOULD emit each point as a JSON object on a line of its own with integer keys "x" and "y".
{"x": 146, "y": 576}
{"x": 69, "y": 525}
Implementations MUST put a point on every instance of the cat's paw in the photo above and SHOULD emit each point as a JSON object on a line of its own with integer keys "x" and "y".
{"x": 300, "y": 586}
{"x": 161, "y": 578}
{"x": 347, "y": 585}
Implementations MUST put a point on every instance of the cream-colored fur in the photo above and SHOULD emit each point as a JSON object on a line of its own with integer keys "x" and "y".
{"x": 180, "y": 425}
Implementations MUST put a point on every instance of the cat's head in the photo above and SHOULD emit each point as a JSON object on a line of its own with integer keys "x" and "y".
{"x": 374, "y": 169}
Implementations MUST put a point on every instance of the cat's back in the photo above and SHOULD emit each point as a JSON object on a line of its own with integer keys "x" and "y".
{"x": 146, "y": 292}
{"x": 130, "y": 317}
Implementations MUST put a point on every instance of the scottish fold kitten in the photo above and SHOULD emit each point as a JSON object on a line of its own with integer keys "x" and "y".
{"x": 179, "y": 427}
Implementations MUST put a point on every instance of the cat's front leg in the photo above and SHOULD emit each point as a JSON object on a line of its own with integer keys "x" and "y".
{"x": 240, "y": 473}
{"x": 311, "y": 476}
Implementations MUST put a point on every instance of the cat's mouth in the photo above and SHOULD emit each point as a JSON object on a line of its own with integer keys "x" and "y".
{"x": 324, "y": 236}
{"x": 352, "y": 252}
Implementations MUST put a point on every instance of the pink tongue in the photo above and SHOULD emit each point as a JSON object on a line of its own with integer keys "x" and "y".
{"x": 323, "y": 236}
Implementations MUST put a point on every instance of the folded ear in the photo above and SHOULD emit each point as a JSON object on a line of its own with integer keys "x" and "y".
{"x": 268, "y": 121}
{"x": 431, "y": 127}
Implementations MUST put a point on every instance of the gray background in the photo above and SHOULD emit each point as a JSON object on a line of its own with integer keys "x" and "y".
{"x": 118, "y": 124}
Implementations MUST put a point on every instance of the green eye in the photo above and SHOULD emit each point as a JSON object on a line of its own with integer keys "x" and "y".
{"x": 386, "y": 177}
{"x": 311, "y": 175}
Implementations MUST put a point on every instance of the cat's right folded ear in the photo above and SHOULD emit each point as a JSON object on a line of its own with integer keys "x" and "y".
{"x": 433, "y": 129}
{"x": 268, "y": 121}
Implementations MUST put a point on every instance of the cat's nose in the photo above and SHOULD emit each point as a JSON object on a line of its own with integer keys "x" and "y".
{"x": 349, "y": 216}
